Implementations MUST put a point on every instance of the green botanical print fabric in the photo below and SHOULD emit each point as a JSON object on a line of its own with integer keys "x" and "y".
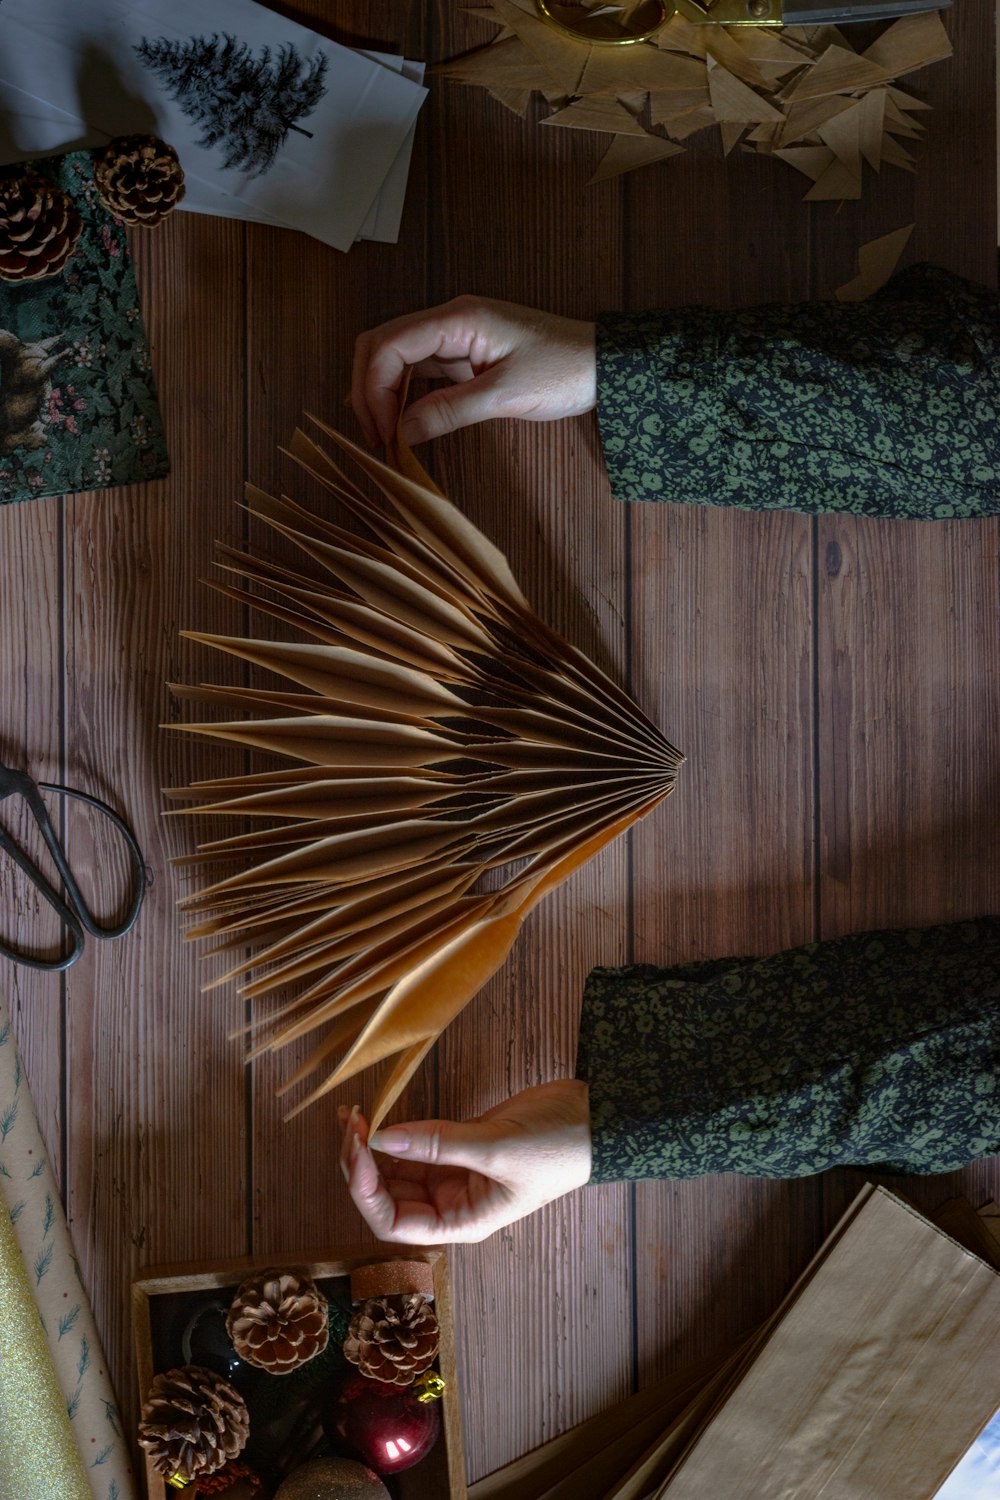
{"x": 78, "y": 408}
{"x": 881, "y": 408}
{"x": 878, "y": 1048}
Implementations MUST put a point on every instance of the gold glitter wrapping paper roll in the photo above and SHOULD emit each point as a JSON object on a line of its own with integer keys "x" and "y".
{"x": 28, "y": 1189}
{"x": 38, "y": 1456}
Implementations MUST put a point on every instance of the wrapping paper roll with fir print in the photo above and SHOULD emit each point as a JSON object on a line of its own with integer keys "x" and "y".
{"x": 33, "y": 1222}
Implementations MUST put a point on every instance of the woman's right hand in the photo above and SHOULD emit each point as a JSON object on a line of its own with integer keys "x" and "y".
{"x": 502, "y": 361}
{"x": 440, "y": 1183}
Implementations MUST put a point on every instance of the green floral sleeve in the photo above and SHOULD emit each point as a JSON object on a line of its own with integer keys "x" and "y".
{"x": 879, "y": 1048}
{"x": 881, "y": 408}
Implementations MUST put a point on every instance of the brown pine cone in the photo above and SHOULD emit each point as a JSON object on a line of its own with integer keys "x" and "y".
{"x": 393, "y": 1339}
{"x": 39, "y": 227}
{"x": 193, "y": 1423}
{"x": 278, "y": 1320}
{"x": 139, "y": 178}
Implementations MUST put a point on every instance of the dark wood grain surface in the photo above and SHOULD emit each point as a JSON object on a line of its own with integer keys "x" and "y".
{"x": 832, "y": 682}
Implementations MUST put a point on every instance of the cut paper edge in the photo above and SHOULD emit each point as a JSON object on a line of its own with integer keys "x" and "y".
{"x": 441, "y": 732}
{"x": 626, "y": 154}
{"x": 876, "y": 263}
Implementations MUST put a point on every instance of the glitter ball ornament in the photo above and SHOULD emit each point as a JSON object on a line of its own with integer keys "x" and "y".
{"x": 205, "y": 1341}
{"x": 332, "y": 1479}
{"x": 388, "y": 1429}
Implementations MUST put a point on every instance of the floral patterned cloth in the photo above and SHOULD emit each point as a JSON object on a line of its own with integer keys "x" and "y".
{"x": 78, "y": 408}
{"x": 879, "y": 1048}
{"x": 880, "y": 408}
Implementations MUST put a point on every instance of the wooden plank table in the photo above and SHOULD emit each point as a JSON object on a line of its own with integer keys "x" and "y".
{"x": 833, "y": 683}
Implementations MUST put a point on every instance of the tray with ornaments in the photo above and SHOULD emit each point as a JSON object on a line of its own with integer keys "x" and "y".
{"x": 313, "y": 1377}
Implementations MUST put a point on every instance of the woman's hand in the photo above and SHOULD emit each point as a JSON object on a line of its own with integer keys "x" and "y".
{"x": 503, "y": 361}
{"x": 443, "y": 1183}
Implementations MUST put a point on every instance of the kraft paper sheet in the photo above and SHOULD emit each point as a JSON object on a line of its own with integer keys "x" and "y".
{"x": 443, "y": 733}
{"x": 815, "y": 1401}
{"x": 880, "y": 1371}
{"x": 60, "y": 1432}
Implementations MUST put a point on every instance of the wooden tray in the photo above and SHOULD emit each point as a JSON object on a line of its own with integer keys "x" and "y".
{"x": 441, "y": 1475}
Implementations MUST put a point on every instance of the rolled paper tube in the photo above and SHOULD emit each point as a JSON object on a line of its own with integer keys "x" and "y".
{"x": 39, "y": 1459}
{"x": 30, "y": 1202}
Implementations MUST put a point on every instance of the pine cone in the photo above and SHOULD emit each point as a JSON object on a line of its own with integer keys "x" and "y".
{"x": 139, "y": 178}
{"x": 193, "y": 1422}
{"x": 39, "y": 227}
{"x": 393, "y": 1339}
{"x": 278, "y": 1320}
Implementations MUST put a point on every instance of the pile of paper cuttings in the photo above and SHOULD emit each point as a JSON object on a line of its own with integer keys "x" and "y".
{"x": 800, "y": 94}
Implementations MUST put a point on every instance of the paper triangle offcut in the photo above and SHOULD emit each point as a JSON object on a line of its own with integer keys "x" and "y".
{"x": 837, "y": 72}
{"x": 876, "y": 262}
{"x": 838, "y": 181}
{"x": 628, "y": 152}
{"x": 735, "y": 103}
{"x": 436, "y": 731}
{"x": 911, "y": 43}
{"x": 766, "y": 90}
{"x": 810, "y": 160}
{"x": 597, "y": 114}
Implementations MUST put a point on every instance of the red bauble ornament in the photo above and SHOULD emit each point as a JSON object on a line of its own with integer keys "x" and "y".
{"x": 389, "y": 1429}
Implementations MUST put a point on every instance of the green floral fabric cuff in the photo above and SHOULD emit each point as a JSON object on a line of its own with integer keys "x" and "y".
{"x": 878, "y": 1048}
{"x": 882, "y": 408}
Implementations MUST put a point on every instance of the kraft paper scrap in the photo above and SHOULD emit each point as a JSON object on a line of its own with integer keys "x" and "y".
{"x": 60, "y": 1432}
{"x": 877, "y": 1375}
{"x": 443, "y": 732}
{"x": 696, "y": 76}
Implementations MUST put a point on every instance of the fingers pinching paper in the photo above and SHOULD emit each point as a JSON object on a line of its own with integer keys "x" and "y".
{"x": 442, "y": 731}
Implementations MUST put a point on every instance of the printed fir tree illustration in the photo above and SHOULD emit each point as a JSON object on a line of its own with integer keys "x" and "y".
{"x": 244, "y": 103}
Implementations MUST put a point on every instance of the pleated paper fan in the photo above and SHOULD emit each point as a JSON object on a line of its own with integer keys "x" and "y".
{"x": 437, "y": 730}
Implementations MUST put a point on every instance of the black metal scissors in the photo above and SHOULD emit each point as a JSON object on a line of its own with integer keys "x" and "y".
{"x": 71, "y": 909}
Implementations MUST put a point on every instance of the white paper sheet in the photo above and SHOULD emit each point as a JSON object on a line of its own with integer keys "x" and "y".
{"x": 385, "y": 214}
{"x": 383, "y": 219}
{"x": 31, "y": 127}
{"x": 333, "y": 157}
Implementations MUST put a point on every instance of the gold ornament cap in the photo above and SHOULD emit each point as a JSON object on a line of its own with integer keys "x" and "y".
{"x": 429, "y": 1386}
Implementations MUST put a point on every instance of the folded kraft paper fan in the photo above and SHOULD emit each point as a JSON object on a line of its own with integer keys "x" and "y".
{"x": 437, "y": 730}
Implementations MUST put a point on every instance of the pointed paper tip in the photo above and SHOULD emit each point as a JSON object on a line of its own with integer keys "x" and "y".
{"x": 628, "y": 153}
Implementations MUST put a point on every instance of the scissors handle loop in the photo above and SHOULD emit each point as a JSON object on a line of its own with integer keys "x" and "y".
{"x": 73, "y": 911}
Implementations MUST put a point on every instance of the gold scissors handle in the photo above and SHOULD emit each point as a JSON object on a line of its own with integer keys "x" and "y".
{"x": 623, "y": 25}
